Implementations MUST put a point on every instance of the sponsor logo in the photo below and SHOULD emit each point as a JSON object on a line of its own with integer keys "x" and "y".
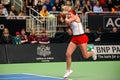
{"x": 108, "y": 52}
{"x": 44, "y": 53}
{"x": 2, "y": 26}
{"x": 43, "y": 50}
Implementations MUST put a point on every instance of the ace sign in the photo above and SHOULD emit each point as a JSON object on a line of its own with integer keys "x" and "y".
{"x": 106, "y": 21}
{"x": 111, "y": 21}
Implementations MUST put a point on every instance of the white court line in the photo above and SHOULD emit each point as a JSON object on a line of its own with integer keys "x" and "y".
{"x": 15, "y": 78}
{"x": 29, "y": 77}
{"x": 42, "y": 76}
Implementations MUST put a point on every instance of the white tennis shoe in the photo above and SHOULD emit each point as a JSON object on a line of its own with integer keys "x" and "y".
{"x": 94, "y": 56}
{"x": 68, "y": 72}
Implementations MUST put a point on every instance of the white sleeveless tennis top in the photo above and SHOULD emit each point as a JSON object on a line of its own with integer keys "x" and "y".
{"x": 77, "y": 28}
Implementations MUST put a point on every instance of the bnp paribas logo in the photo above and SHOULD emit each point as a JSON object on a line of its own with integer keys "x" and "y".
{"x": 43, "y": 50}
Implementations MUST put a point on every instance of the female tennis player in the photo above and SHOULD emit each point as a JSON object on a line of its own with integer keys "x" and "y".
{"x": 79, "y": 38}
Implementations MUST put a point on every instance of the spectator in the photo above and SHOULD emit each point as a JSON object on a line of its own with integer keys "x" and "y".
{"x": 7, "y": 4}
{"x": 87, "y": 7}
{"x": 57, "y": 5}
{"x": 90, "y": 35}
{"x": 78, "y": 6}
{"x": 13, "y": 12}
{"x": 110, "y": 5}
{"x": 62, "y": 2}
{"x": 97, "y": 34}
{"x": 117, "y": 3}
{"x": 54, "y": 8}
{"x": 21, "y": 15}
{"x": 97, "y": 7}
{"x": 2, "y": 16}
{"x": 1, "y": 6}
{"x": 32, "y": 38}
{"x": 42, "y": 2}
{"x": 17, "y": 39}
{"x": 102, "y": 2}
{"x": 36, "y": 2}
{"x": 38, "y": 7}
{"x": 1, "y": 13}
{"x": 83, "y": 3}
{"x": 23, "y": 36}
{"x": 4, "y": 10}
{"x": 6, "y": 38}
{"x": 44, "y": 13}
{"x": 48, "y": 5}
{"x": 114, "y": 30}
{"x": 92, "y": 2}
{"x": 61, "y": 22}
{"x": 52, "y": 2}
{"x": 29, "y": 4}
{"x": 44, "y": 39}
{"x": 87, "y": 30}
{"x": 68, "y": 6}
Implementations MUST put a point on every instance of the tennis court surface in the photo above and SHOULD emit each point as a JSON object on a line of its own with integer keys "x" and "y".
{"x": 26, "y": 77}
{"x": 103, "y": 70}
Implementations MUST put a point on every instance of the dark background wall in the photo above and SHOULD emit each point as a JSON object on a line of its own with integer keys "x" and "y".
{"x": 27, "y": 53}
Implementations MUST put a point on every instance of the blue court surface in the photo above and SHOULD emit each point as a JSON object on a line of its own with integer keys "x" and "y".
{"x": 26, "y": 77}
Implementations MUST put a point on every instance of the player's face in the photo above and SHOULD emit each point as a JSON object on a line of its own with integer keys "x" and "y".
{"x": 70, "y": 14}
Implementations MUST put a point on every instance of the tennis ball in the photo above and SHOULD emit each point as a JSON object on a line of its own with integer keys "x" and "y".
{"x": 51, "y": 17}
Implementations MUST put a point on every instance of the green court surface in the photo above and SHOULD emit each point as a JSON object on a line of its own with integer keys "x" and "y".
{"x": 108, "y": 70}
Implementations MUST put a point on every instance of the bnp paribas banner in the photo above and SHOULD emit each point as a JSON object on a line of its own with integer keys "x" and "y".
{"x": 107, "y": 52}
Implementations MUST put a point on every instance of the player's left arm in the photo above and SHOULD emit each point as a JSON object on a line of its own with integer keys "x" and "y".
{"x": 69, "y": 20}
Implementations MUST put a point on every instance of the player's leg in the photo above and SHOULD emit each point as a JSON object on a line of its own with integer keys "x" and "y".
{"x": 84, "y": 51}
{"x": 71, "y": 47}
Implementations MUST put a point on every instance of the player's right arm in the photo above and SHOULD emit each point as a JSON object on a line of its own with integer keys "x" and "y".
{"x": 69, "y": 31}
